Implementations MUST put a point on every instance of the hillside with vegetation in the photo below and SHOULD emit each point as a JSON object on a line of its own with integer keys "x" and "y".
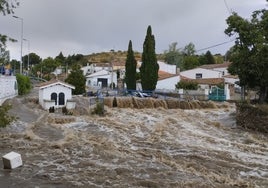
{"x": 104, "y": 57}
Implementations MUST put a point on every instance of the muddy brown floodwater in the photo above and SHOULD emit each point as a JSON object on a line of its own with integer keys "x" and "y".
{"x": 133, "y": 148}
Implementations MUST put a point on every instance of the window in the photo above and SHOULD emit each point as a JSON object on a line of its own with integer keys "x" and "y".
{"x": 198, "y": 75}
{"x": 61, "y": 99}
{"x": 54, "y": 97}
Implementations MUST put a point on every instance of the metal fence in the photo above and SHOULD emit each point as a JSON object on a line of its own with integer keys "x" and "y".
{"x": 217, "y": 94}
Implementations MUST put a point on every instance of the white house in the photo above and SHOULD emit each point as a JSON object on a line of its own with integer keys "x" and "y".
{"x": 198, "y": 73}
{"x": 96, "y": 67}
{"x": 101, "y": 79}
{"x": 56, "y": 94}
{"x": 8, "y": 87}
{"x": 168, "y": 76}
{"x": 172, "y": 69}
{"x": 229, "y": 79}
{"x": 232, "y": 79}
{"x": 222, "y": 67}
{"x": 167, "y": 81}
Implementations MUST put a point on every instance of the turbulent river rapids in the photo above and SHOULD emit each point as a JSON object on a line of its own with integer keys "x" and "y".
{"x": 130, "y": 147}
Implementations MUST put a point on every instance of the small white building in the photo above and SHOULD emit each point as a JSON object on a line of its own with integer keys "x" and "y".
{"x": 101, "y": 79}
{"x": 56, "y": 94}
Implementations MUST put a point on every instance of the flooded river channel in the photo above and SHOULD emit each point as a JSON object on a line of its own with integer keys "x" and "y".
{"x": 135, "y": 148}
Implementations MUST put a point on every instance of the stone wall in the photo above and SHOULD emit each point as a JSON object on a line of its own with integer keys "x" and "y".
{"x": 252, "y": 117}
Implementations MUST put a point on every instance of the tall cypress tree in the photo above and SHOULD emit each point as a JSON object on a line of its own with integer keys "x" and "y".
{"x": 149, "y": 67}
{"x": 131, "y": 65}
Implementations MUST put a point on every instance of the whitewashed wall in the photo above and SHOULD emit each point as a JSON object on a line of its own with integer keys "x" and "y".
{"x": 92, "y": 80}
{"x": 168, "y": 84}
{"x": 172, "y": 69}
{"x": 8, "y": 87}
{"x": 231, "y": 80}
{"x": 205, "y": 73}
{"x": 70, "y": 104}
{"x": 223, "y": 70}
{"x": 45, "y": 93}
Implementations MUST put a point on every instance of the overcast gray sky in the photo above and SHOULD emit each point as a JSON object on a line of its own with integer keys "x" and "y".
{"x": 91, "y": 26}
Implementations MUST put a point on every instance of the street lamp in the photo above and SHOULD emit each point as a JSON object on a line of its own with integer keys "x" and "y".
{"x": 28, "y": 61}
{"x": 20, "y": 42}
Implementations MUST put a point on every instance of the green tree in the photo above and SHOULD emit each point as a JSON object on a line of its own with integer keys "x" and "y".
{"x": 218, "y": 58}
{"x": 34, "y": 59}
{"x": 60, "y": 58}
{"x": 77, "y": 79}
{"x": 4, "y": 55}
{"x": 202, "y": 59}
{"x": 250, "y": 52}
{"x": 188, "y": 85}
{"x": 173, "y": 55}
{"x": 75, "y": 59}
{"x": 131, "y": 65}
{"x": 46, "y": 67}
{"x": 149, "y": 67}
{"x": 190, "y": 62}
{"x": 6, "y": 7}
{"x": 189, "y": 49}
{"x": 209, "y": 58}
{"x": 15, "y": 64}
{"x": 24, "y": 84}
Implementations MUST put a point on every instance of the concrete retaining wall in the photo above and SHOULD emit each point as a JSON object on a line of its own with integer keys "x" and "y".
{"x": 8, "y": 88}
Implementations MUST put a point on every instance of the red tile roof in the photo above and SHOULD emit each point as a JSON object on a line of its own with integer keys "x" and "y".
{"x": 164, "y": 75}
{"x": 231, "y": 76}
{"x": 206, "y": 81}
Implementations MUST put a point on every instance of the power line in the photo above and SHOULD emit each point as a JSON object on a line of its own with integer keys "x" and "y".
{"x": 227, "y": 7}
{"x": 215, "y": 45}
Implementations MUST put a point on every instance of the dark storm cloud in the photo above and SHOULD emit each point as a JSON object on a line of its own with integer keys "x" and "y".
{"x": 87, "y": 26}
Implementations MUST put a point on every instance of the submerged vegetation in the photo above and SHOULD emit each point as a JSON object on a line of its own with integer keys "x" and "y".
{"x": 5, "y": 119}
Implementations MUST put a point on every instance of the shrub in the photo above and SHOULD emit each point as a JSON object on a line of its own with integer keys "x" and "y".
{"x": 99, "y": 108}
{"x": 51, "y": 109}
{"x": 188, "y": 85}
{"x": 5, "y": 119}
{"x": 65, "y": 111}
{"x": 24, "y": 84}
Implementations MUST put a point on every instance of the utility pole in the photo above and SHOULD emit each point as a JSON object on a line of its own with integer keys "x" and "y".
{"x": 20, "y": 42}
{"x": 28, "y": 61}
{"x": 112, "y": 69}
